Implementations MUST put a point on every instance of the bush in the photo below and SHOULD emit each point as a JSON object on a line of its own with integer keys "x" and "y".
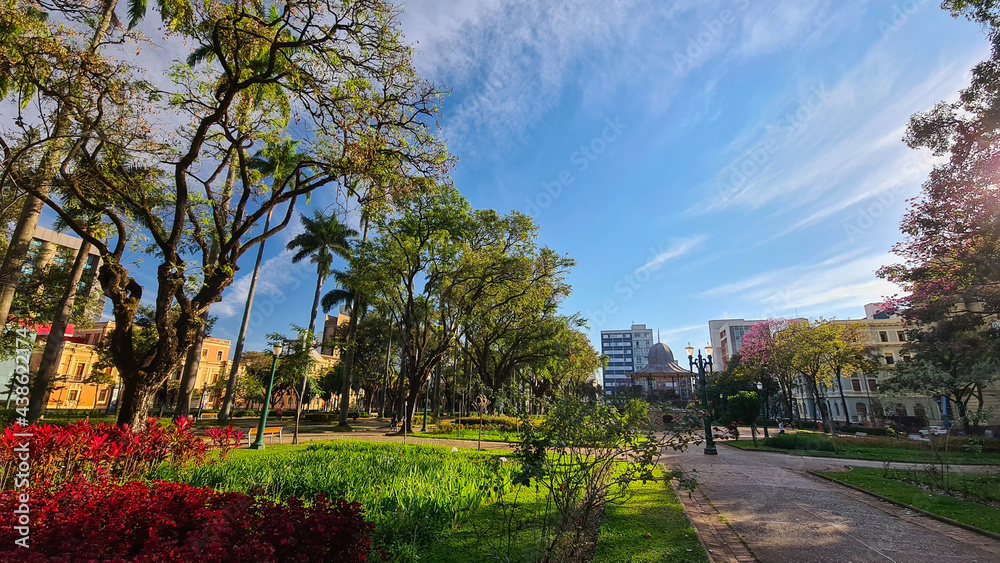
{"x": 163, "y": 521}
{"x": 854, "y": 429}
{"x": 800, "y": 442}
{"x": 806, "y": 424}
{"x": 103, "y": 451}
{"x": 322, "y": 417}
{"x": 491, "y": 422}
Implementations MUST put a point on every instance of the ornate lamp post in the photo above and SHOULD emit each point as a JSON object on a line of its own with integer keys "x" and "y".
{"x": 258, "y": 444}
{"x": 702, "y": 363}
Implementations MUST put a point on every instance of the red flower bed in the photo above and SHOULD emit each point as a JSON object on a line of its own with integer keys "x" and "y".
{"x": 164, "y": 521}
{"x": 54, "y": 454}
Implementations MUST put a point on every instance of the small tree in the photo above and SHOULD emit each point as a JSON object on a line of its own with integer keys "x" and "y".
{"x": 587, "y": 453}
{"x": 744, "y": 407}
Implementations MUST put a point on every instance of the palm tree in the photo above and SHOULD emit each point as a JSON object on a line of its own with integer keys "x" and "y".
{"x": 324, "y": 237}
{"x": 345, "y": 294}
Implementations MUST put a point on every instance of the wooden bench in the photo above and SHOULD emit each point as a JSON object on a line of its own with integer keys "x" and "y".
{"x": 271, "y": 431}
{"x": 209, "y": 416}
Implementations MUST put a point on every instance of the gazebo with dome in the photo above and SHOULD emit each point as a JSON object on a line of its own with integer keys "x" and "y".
{"x": 663, "y": 377}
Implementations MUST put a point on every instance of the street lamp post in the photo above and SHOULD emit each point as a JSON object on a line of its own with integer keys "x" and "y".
{"x": 702, "y": 363}
{"x": 763, "y": 396}
{"x": 258, "y": 444}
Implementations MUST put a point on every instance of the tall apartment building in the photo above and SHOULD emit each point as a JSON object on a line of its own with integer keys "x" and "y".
{"x": 727, "y": 337}
{"x": 48, "y": 246}
{"x": 628, "y": 351}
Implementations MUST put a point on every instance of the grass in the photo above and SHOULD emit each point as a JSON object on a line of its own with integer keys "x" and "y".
{"x": 651, "y": 526}
{"x": 880, "y": 449}
{"x": 412, "y": 494}
{"x": 971, "y": 513}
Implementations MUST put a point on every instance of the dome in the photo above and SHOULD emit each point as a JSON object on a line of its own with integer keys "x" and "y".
{"x": 660, "y": 354}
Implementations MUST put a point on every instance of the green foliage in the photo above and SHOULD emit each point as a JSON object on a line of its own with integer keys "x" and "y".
{"x": 800, "y": 441}
{"x": 574, "y": 454}
{"x": 743, "y": 407}
{"x": 411, "y": 493}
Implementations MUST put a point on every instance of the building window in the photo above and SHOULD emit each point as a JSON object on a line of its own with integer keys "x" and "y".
{"x": 900, "y": 409}
{"x": 873, "y": 385}
{"x": 905, "y": 358}
{"x": 218, "y": 356}
{"x": 889, "y": 360}
{"x": 883, "y": 336}
{"x": 855, "y": 384}
{"x": 901, "y": 335}
{"x": 74, "y": 395}
{"x": 861, "y": 409}
{"x": 79, "y": 371}
{"x": 204, "y": 352}
{"x": 102, "y": 395}
{"x": 918, "y": 410}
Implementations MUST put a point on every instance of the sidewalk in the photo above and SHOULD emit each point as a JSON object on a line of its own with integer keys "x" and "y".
{"x": 784, "y": 514}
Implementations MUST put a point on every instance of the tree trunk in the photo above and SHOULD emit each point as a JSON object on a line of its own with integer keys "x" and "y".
{"x": 843, "y": 399}
{"x": 54, "y": 343}
{"x": 189, "y": 377}
{"x": 227, "y": 403}
{"x": 345, "y": 389}
{"x": 134, "y": 401}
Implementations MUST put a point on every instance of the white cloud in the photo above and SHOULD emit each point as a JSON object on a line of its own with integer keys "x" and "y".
{"x": 677, "y": 249}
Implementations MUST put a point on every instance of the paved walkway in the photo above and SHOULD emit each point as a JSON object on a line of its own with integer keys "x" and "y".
{"x": 777, "y": 512}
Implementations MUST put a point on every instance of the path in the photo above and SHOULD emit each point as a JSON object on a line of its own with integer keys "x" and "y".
{"x": 783, "y": 514}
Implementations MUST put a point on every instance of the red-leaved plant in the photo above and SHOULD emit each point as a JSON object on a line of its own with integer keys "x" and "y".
{"x": 164, "y": 521}
{"x": 101, "y": 451}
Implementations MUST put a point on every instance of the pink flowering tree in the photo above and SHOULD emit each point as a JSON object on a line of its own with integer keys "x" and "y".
{"x": 763, "y": 350}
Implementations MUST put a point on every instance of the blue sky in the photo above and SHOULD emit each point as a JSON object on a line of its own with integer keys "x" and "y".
{"x": 699, "y": 160}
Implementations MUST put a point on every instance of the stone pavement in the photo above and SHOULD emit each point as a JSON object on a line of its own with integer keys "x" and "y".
{"x": 777, "y": 512}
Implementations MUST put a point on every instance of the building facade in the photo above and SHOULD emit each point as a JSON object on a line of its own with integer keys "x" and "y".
{"x": 727, "y": 337}
{"x": 628, "y": 351}
{"x": 48, "y": 246}
{"x": 867, "y": 405}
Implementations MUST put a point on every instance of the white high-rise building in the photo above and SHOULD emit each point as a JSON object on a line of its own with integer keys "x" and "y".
{"x": 727, "y": 337}
{"x": 628, "y": 351}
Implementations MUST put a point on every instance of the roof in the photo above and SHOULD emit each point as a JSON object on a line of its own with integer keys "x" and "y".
{"x": 661, "y": 363}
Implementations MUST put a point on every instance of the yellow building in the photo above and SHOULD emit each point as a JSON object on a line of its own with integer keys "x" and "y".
{"x": 79, "y": 355}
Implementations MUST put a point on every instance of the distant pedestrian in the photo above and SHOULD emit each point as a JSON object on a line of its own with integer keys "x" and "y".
{"x": 781, "y": 427}
{"x": 278, "y": 412}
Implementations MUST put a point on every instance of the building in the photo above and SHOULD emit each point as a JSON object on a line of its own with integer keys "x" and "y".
{"x": 48, "y": 246}
{"x": 79, "y": 356}
{"x": 727, "y": 337}
{"x": 628, "y": 351}
{"x": 332, "y": 324}
{"x": 865, "y": 405}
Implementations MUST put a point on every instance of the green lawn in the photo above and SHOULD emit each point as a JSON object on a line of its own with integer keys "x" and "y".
{"x": 651, "y": 526}
{"x": 971, "y": 513}
{"x": 878, "y": 453}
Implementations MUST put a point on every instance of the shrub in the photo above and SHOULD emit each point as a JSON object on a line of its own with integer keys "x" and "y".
{"x": 800, "y": 442}
{"x": 491, "y": 422}
{"x": 103, "y": 451}
{"x": 163, "y": 521}
{"x": 322, "y": 417}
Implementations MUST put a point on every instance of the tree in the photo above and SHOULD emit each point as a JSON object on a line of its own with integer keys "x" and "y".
{"x": 952, "y": 362}
{"x": 809, "y": 345}
{"x": 762, "y": 350}
{"x": 849, "y": 353}
{"x": 744, "y": 407}
{"x": 339, "y": 67}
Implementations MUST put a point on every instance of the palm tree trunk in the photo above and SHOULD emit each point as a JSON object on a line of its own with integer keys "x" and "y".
{"x": 189, "y": 377}
{"x": 227, "y": 403}
{"x": 54, "y": 343}
{"x": 320, "y": 278}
